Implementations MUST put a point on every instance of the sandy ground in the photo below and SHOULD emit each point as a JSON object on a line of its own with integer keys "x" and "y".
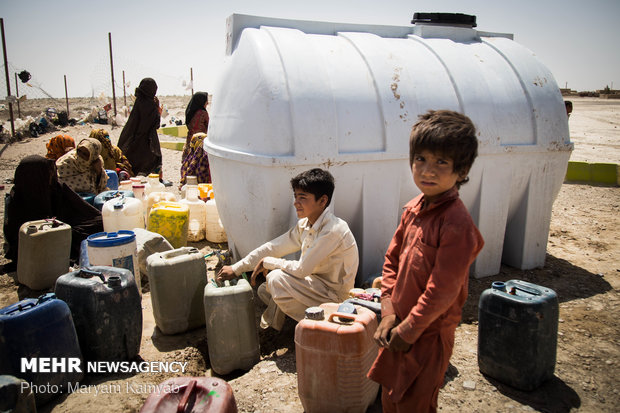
{"x": 582, "y": 266}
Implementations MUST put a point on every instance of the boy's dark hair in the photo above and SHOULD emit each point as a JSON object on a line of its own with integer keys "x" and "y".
{"x": 448, "y": 133}
{"x": 316, "y": 181}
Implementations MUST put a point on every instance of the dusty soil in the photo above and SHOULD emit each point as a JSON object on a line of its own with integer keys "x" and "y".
{"x": 582, "y": 266}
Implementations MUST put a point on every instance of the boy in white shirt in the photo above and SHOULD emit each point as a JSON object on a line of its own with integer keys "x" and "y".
{"x": 325, "y": 271}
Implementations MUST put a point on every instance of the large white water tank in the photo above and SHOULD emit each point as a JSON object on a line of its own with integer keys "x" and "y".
{"x": 299, "y": 94}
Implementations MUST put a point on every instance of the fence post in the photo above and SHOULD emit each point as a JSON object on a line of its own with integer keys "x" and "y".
{"x": 8, "y": 85}
{"x": 112, "y": 71}
{"x": 66, "y": 97}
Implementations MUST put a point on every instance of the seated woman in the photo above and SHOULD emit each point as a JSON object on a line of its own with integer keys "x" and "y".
{"x": 113, "y": 158}
{"x": 82, "y": 168}
{"x": 36, "y": 195}
{"x": 196, "y": 162}
{"x": 58, "y": 146}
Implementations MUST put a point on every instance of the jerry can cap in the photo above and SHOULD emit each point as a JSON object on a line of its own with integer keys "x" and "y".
{"x": 315, "y": 313}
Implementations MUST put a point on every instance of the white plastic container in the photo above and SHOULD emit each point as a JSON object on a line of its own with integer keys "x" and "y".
{"x": 197, "y": 224}
{"x": 138, "y": 191}
{"x": 153, "y": 184}
{"x": 215, "y": 231}
{"x": 125, "y": 185}
{"x": 122, "y": 213}
{"x": 344, "y": 97}
{"x": 43, "y": 253}
{"x": 177, "y": 279}
{"x": 189, "y": 180}
{"x": 115, "y": 249}
{"x": 155, "y": 197}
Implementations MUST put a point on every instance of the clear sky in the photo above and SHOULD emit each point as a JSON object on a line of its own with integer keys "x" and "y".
{"x": 577, "y": 40}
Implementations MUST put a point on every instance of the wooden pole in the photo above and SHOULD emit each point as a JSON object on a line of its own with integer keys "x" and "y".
{"x": 191, "y": 78}
{"x": 19, "y": 113}
{"x": 112, "y": 71}
{"x": 124, "y": 95}
{"x": 66, "y": 96}
{"x": 6, "y": 71}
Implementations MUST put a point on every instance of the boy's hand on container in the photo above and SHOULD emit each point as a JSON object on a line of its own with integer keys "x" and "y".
{"x": 397, "y": 343}
{"x": 225, "y": 273}
{"x": 383, "y": 331}
{"x": 258, "y": 270}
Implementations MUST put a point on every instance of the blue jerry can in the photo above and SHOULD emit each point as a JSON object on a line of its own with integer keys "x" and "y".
{"x": 41, "y": 332}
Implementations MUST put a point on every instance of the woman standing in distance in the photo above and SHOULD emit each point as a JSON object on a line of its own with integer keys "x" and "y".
{"x": 138, "y": 140}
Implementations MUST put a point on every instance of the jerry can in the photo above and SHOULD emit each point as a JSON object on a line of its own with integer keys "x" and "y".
{"x": 171, "y": 220}
{"x": 334, "y": 351}
{"x": 37, "y": 329}
{"x": 43, "y": 254}
{"x": 215, "y": 231}
{"x": 191, "y": 394}
{"x": 177, "y": 279}
{"x": 105, "y": 196}
{"x": 154, "y": 198}
{"x": 517, "y": 333}
{"x": 112, "y": 183}
{"x": 122, "y": 213}
{"x": 16, "y": 395}
{"x": 153, "y": 184}
{"x": 232, "y": 336}
{"x": 197, "y": 214}
{"x": 106, "y": 309}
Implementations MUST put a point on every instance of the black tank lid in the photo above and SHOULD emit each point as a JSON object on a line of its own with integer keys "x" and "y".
{"x": 445, "y": 18}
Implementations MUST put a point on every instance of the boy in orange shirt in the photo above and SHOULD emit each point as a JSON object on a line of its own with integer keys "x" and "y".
{"x": 426, "y": 269}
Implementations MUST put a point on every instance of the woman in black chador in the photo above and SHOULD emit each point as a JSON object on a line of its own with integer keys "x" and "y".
{"x": 37, "y": 195}
{"x": 138, "y": 140}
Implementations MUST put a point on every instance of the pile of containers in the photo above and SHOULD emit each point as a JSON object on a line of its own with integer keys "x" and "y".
{"x": 344, "y": 97}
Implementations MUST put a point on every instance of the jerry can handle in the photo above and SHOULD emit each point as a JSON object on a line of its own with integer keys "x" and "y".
{"x": 188, "y": 392}
{"x": 342, "y": 316}
{"x": 84, "y": 273}
{"x": 21, "y": 307}
{"x": 526, "y": 289}
{"x": 120, "y": 200}
{"x": 41, "y": 299}
{"x": 53, "y": 222}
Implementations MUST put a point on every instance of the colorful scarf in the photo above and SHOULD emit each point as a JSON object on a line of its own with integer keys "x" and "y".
{"x": 112, "y": 155}
{"x": 58, "y": 146}
{"x": 78, "y": 173}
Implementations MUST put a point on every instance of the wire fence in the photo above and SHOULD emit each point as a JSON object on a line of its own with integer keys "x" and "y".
{"x": 35, "y": 110}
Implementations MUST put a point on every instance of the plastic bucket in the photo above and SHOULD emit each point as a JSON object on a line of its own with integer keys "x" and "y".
{"x": 115, "y": 249}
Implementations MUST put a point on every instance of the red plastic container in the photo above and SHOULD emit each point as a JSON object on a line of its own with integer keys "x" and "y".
{"x": 191, "y": 394}
{"x": 333, "y": 354}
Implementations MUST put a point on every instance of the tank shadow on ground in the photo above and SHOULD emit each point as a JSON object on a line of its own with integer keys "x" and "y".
{"x": 552, "y": 396}
{"x": 567, "y": 280}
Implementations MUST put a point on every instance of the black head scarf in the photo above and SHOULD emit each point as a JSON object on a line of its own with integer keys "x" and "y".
{"x": 196, "y": 103}
{"x": 147, "y": 88}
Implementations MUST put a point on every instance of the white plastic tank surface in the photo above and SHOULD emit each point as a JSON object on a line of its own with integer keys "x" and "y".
{"x": 296, "y": 95}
